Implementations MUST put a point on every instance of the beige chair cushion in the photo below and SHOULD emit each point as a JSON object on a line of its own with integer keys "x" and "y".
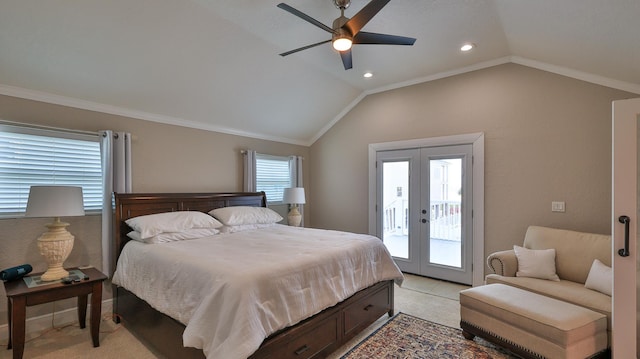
{"x": 575, "y": 251}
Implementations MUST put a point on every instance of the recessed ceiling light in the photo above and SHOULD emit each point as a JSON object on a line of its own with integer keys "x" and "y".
{"x": 368, "y": 74}
{"x": 467, "y": 47}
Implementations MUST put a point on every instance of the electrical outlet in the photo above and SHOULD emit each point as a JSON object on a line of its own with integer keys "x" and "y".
{"x": 557, "y": 206}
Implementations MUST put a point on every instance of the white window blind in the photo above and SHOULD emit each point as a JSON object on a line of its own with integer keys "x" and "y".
{"x": 32, "y": 156}
{"x": 273, "y": 175}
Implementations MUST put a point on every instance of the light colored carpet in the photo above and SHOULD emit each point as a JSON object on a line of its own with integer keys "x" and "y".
{"x": 434, "y": 300}
{"x": 435, "y": 287}
{"x": 71, "y": 342}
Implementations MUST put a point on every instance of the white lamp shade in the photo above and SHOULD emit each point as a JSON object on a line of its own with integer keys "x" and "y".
{"x": 293, "y": 195}
{"x": 55, "y": 201}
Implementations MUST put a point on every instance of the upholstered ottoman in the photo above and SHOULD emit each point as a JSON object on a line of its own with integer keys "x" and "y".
{"x": 532, "y": 325}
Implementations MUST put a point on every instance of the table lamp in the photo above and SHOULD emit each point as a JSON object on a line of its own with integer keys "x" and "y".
{"x": 294, "y": 196}
{"x": 55, "y": 245}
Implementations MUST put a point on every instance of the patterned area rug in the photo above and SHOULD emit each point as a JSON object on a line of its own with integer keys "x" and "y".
{"x": 406, "y": 336}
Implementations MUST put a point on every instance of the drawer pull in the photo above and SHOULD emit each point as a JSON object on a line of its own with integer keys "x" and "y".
{"x": 303, "y": 349}
{"x": 368, "y": 307}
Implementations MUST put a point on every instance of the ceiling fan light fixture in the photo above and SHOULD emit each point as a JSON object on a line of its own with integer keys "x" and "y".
{"x": 345, "y": 32}
{"x": 342, "y": 43}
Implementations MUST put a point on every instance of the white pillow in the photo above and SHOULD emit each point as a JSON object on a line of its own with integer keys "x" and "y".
{"x": 153, "y": 224}
{"x": 540, "y": 263}
{"x": 600, "y": 278}
{"x": 174, "y": 236}
{"x": 238, "y": 215}
{"x": 244, "y": 227}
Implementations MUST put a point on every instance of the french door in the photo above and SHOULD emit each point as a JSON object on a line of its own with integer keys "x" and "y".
{"x": 424, "y": 210}
{"x": 626, "y": 203}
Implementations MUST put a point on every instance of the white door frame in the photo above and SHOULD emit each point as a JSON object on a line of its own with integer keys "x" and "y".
{"x": 474, "y": 139}
{"x": 626, "y": 114}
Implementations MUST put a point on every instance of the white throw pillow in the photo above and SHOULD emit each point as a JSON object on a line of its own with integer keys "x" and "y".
{"x": 536, "y": 263}
{"x": 239, "y": 215}
{"x": 153, "y": 224}
{"x": 600, "y": 278}
{"x": 174, "y": 236}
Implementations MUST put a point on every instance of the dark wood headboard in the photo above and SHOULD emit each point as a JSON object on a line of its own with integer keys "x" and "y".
{"x": 129, "y": 205}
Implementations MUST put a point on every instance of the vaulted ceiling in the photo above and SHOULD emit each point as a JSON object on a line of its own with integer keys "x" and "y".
{"x": 214, "y": 64}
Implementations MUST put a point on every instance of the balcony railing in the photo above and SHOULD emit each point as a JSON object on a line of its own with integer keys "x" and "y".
{"x": 445, "y": 219}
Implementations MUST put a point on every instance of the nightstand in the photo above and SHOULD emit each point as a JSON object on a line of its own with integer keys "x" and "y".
{"x": 20, "y": 296}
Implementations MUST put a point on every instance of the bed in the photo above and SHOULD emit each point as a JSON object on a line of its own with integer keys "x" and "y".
{"x": 316, "y": 334}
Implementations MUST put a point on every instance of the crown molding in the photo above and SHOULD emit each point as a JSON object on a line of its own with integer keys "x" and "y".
{"x": 442, "y": 75}
{"x": 578, "y": 75}
{"x": 564, "y": 71}
{"x": 338, "y": 117}
{"x": 54, "y": 99}
{"x": 147, "y": 116}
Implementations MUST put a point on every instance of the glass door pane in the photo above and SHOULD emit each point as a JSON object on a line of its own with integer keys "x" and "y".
{"x": 447, "y": 222}
{"x": 423, "y": 210}
{"x": 395, "y": 207}
{"x": 445, "y": 206}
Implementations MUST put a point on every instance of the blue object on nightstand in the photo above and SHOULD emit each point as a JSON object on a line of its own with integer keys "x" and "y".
{"x": 14, "y": 273}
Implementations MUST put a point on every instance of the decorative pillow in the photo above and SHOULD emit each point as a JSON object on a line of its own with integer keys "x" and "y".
{"x": 600, "y": 278}
{"x": 153, "y": 224}
{"x": 238, "y": 215}
{"x": 174, "y": 236}
{"x": 244, "y": 227}
{"x": 540, "y": 263}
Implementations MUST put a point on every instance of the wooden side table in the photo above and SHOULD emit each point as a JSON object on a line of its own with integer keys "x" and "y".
{"x": 19, "y": 296}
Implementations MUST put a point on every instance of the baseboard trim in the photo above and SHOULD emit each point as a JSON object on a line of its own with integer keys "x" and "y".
{"x": 63, "y": 317}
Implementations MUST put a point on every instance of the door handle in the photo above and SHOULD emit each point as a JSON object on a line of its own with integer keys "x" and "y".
{"x": 624, "y": 252}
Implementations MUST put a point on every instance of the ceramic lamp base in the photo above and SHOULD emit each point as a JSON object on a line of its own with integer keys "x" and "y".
{"x": 55, "y": 246}
{"x": 295, "y": 218}
{"x": 54, "y": 274}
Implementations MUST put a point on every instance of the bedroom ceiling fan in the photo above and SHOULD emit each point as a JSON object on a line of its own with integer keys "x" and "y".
{"x": 346, "y": 32}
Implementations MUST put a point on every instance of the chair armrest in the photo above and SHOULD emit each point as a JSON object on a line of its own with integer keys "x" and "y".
{"x": 503, "y": 263}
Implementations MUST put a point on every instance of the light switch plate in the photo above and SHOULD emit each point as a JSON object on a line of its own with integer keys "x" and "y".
{"x": 557, "y": 206}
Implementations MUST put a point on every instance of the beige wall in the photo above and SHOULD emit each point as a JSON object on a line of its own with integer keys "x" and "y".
{"x": 166, "y": 158}
{"x": 547, "y": 138}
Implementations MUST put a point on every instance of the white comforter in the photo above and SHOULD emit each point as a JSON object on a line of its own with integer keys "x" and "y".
{"x": 234, "y": 290}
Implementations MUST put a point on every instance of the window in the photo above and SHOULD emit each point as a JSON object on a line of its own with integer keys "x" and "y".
{"x": 273, "y": 175}
{"x": 33, "y": 156}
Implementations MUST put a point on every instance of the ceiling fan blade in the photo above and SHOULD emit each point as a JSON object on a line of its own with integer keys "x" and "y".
{"x": 363, "y": 16}
{"x": 372, "y": 38}
{"x": 305, "y": 17}
{"x": 346, "y": 59}
{"x": 304, "y": 48}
